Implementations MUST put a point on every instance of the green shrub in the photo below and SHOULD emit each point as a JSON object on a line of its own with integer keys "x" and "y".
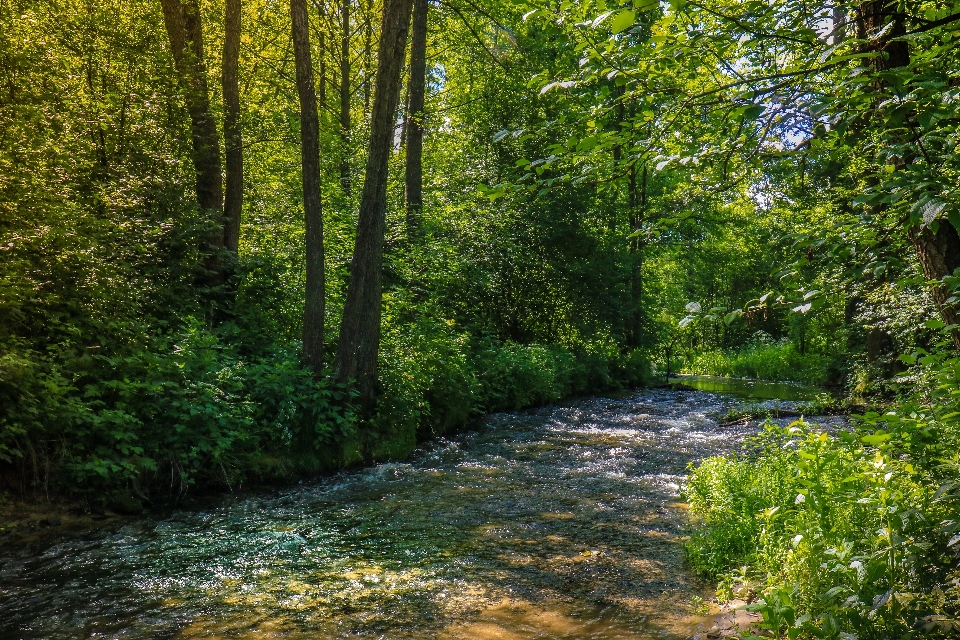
{"x": 186, "y": 406}
{"x": 437, "y": 378}
{"x": 513, "y": 376}
{"x": 779, "y": 361}
{"x": 847, "y": 530}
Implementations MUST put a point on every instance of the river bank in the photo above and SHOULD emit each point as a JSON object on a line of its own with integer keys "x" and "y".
{"x": 564, "y": 519}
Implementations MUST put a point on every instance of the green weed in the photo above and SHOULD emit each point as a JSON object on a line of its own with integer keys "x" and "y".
{"x": 780, "y": 361}
{"x": 846, "y": 532}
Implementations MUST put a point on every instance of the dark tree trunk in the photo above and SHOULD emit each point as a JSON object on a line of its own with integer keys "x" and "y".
{"x": 345, "y": 97}
{"x": 182, "y": 20}
{"x": 313, "y": 314}
{"x": 413, "y": 180}
{"x": 232, "y": 137}
{"x": 367, "y": 56}
{"x": 323, "y": 70}
{"x": 359, "y": 345}
{"x": 938, "y": 253}
{"x": 638, "y": 212}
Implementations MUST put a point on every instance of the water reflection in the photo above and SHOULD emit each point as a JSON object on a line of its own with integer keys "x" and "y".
{"x": 556, "y": 523}
{"x": 750, "y": 389}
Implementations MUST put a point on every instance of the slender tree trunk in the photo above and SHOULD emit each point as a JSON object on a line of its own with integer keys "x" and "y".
{"x": 413, "y": 180}
{"x": 359, "y": 345}
{"x": 345, "y": 97}
{"x": 323, "y": 70}
{"x": 182, "y": 20}
{"x": 232, "y": 136}
{"x": 313, "y": 314}
{"x": 367, "y": 56}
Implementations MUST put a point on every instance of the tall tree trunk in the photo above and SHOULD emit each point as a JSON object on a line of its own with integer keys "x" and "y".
{"x": 232, "y": 136}
{"x": 413, "y": 180}
{"x": 182, "y": 20}
{"x": 345, "y": 97}
{"x": 313, "y": 314}
{"x": 367, "y": 56}
{"x": 359, "y": 344}
{"x": 938, "y": 252}
{"x": 323, "y": 70}
{"x": 637, "y": 216}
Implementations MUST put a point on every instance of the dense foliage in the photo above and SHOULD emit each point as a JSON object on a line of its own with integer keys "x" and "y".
{"x": 792, "y": 167}
{"x": 537, "y": 200}
{"x": 140, "y": 358}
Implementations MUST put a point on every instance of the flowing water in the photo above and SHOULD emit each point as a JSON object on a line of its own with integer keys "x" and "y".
{"x": 562, "y": 522}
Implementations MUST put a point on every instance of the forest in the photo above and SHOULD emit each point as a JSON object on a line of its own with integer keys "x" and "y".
{"x": 248, "y": 242}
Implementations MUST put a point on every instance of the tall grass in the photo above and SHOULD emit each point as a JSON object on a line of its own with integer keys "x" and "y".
{"x": 836, "y": 535}
{"x": 780, "y": 361}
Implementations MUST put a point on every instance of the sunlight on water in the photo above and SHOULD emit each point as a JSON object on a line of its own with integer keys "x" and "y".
{"x": 558, "y": 523}
{"x": 753, "y": 389}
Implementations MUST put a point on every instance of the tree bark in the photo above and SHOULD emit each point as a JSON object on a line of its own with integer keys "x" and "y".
{"x": 367, "y": 56}
{"x": 359, "y": 345}
{"x": 939, "y": 255}
{"x": 323, "y": 70}
{"x": 938, "y": 252}
{"x": 182, "y": 20}
{"x": 345, "y": 97}
{"x": 413, "y": 180}
{"x": 313, "y": 314}
{"x": 232, "y": 135}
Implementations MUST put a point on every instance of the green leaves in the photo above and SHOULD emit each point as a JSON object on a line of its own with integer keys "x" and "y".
{"x": 623, "y": 20}
{"x": 875, "y": 439}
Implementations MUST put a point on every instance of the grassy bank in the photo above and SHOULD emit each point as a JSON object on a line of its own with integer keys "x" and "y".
{"x": 837, "y": 535}
{"x": 780, "y": 361}
{"x": 195, "y": 411}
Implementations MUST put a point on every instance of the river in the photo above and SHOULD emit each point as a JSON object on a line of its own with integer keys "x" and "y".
{"x": 560, "y": 522}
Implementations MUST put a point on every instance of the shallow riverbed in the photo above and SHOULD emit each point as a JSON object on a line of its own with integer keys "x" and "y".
{"x": 562, "y": 522}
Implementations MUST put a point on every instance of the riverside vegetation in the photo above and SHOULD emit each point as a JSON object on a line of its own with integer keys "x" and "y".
{"x": 250, "y": 241}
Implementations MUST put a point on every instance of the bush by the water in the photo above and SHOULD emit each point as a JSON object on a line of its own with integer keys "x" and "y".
{"x": 781, "y": 361}
{"x": 849, "y": 534}
{"x": 193, "y": 408}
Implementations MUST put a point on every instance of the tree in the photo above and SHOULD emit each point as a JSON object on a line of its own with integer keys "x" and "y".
{"x": 313, "y": 314}
{"x": 185, "y": 34}
{"x": 345, "y": 94}
{"x": 232, "y": 135}
{"x": 883, "y": 28}
{"x": 413, "y": 127}
{"x": 358, "y": 349}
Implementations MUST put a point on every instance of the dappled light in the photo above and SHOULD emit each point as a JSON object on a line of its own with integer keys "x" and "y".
{"x": 557, "y": 523}
{"x": 477, "y": 319}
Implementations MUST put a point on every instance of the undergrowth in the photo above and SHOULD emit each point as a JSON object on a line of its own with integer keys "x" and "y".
{"x": 851, "y": 534}
{"x": 780, "y": 361}
{"x": 195, "y": 408}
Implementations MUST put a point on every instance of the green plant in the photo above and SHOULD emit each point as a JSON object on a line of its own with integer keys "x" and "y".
{"x": 777, "y": 361}
{"x": 849, "y": 520}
